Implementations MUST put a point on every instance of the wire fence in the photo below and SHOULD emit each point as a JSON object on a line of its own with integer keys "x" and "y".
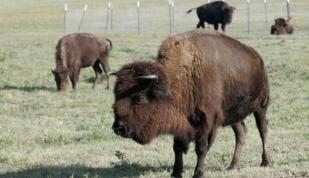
{"x": 168, "y": 16}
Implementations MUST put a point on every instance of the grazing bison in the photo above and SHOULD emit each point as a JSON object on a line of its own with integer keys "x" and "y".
{"x": 79, "y": 50}
{"x": 214, "y": 13}
{"x": 282, "y": 26}
{"x": 200, "y": 81}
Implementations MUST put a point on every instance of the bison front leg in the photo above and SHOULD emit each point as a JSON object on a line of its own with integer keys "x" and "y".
{"x": 202, "y": 145}
{"x": 74, "y": 78}
{"x": 240, "y": 134}
{"x": 179, "y": 147}
{"x": 223, "y": 27}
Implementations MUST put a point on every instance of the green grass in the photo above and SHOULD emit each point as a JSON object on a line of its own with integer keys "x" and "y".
{"x": 44, "y": 133}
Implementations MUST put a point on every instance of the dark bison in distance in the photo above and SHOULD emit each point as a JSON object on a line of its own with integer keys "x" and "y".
{"x": 200, "y": 81}
{"x": 214, "y": 13}
{"x": 282, "y": 26}
{"x": 79, "y": 50}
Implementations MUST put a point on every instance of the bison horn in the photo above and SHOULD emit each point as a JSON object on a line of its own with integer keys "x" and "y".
{"x": 112, "y": 72}
{"x": 151, "y": 77}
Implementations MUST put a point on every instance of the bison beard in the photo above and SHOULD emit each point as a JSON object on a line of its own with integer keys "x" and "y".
{"x": 200, "y": 81}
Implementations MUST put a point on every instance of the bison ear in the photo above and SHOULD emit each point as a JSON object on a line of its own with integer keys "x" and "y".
{"x": 53, "y": 71}
{"x": 161, "y": 90}
{"x": 159, "y": 87}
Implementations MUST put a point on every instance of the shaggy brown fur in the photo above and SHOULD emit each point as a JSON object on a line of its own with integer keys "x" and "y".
{"x": 79, "y": 50}
{"x": 200, "y": 81}
{"x": 282, "y": 26}
{"x": 214, "y": 13}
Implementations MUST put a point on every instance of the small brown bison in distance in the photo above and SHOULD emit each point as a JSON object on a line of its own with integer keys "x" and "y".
{"x": 282, "y": 26}
{"x": 214, "y": 13}
{"x": 79, "y": 50}
{"x": 200, "y": 81}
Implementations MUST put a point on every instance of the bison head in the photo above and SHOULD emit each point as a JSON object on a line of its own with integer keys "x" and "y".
{"x": 140, "y": 91}
{"x": 228, "y": 13}
{"x": 61, "y": 78}
{"x": 282, "y": 26}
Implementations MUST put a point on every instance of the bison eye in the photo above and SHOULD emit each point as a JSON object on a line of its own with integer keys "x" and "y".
{"x": 138, "y": 99}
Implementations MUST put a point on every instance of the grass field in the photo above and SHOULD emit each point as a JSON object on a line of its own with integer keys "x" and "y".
{"x": 44, "y": 133}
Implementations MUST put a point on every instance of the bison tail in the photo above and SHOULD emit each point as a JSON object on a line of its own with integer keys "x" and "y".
{"x": 110, "y": 44}
{"x": 190, "y": 10}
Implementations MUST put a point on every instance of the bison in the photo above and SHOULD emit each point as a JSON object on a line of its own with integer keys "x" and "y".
{"x": 282, "y": 26}
{"x": 79, "y": 50}
{"x": 214, "y": 13}
{"x": 201, "y": 80}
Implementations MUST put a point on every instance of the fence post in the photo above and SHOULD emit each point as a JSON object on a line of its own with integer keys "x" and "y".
{"x": 107, "y": 16}
{"x": 65, "y": 17}
{"x": 173, "y": 16}
{"x": 81, "y": 20}
{"x": 288, "y": 8}
{"x": 138, "y": 18}
{"x": 111, "y": 15}
{"x": 170, "y": 15}
{"x": 248, "y": 15}
{"x": 265, "y": 7}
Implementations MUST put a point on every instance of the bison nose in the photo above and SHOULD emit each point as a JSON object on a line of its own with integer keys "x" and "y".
{"x": 119, "y": 129}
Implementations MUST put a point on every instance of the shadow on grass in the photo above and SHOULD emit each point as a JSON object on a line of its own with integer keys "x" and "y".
{"x": 91, "y": 79}
{"x": 78, "y": 171}
{"x": 27, "y": 88}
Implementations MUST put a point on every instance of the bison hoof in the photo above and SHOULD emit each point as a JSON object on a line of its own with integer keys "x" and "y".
{"x": 198, "y": 174}
{"x": 233, "y": 167}
{"x": 264, "y": 163}
{"x": 176, "y": 175}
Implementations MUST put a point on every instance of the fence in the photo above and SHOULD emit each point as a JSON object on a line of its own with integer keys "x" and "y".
{"x": 165, "y": 16}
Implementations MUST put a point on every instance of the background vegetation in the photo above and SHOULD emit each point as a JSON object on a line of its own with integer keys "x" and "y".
{"x": 44, "y": 133}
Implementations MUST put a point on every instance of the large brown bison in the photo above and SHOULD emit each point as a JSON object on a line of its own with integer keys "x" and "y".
{"x": 200, "y": 81}
{"x": 214, "y": 13}
{"x": 282, "y": 26}
{"x": 79, "y": 50}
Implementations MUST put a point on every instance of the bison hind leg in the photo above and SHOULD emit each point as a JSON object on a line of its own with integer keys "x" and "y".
{"x": 104, "y": 63}
{"x": 261, "y": 123}
{"x": 240, "y": 131}
{"x": 98, "y": 71}
{"x": 216, "y": 26}
{"x": 200, "y": 24}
